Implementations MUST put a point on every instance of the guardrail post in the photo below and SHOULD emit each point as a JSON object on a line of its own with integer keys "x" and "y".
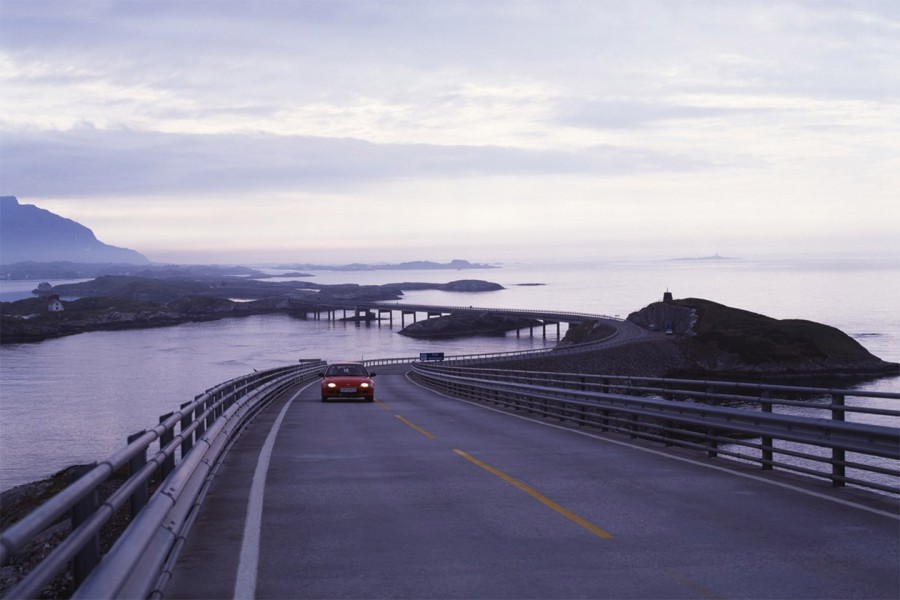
{"x": 165, "y": 439}
{"x": 187, "y": 441}
{"x": 838, "y": 470}
{"x": 201, "y": 423}
{"x": 712, "y": 446}
{"x": 89, "y": 556}
{"x": 139, "y": 498}
{"x": 767, "y": 453}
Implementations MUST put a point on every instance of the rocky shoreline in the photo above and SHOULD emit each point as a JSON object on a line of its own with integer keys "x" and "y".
{"x": 19, "y": 501}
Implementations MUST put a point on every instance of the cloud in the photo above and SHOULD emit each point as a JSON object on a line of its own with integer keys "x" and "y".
{"x": 652, "y": 120}
{"x": 94, "y": 162}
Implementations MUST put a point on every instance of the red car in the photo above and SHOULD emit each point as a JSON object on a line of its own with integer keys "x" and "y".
{"x": 347, "y": 380}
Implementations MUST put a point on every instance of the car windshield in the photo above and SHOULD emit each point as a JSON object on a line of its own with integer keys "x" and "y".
{"x": 346, "y": 371}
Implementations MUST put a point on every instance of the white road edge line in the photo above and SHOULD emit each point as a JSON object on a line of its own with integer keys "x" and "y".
{"x": 788, "y": 486}
{"x": 245, "y": 585}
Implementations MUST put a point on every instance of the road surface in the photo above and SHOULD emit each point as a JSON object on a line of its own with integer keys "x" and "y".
{"x": 422, "y": 496}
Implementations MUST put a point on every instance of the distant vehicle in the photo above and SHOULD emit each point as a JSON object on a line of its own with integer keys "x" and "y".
{"x": 347, "y": 381}
{"x": 669, "y": 329}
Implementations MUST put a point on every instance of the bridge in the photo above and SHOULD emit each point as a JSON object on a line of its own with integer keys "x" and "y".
{"x": 384, "y": 311}
{"x": 467, "y": 481}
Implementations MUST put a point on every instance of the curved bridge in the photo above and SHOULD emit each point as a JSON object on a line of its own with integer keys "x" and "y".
{"x": 376, "y": 311}
{"x": 462, "y": 482}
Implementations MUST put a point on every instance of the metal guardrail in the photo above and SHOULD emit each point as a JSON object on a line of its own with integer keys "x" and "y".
{"x": 494, "y": 357}
{"x": 824, "y": 437}
{"x": 189, "y": 442}
{"x": 720, "y": 418}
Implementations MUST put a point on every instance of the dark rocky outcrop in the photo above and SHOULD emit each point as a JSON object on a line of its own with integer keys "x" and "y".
{"x": 663, "y": 316}
{"x": 461, "y": 285}
{"x": 711, "y": 340}
{"x": 727, "y": 340}
{"x": 721, "y": 340}
{"x": 466, "y": 323}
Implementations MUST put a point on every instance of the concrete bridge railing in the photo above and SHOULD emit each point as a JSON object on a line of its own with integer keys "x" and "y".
{"x": 178, "y": 458}
{"x": 811, "y": 431}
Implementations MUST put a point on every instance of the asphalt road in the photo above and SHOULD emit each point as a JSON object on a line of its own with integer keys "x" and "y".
{"x": 421, "y": 496}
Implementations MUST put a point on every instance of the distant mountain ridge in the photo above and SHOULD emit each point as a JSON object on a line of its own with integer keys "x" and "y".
{"x": 29, "y": 233}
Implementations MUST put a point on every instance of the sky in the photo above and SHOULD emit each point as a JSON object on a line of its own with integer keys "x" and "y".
{"x": 492, "y": 130}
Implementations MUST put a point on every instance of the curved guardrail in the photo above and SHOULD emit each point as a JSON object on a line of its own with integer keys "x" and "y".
{"x": 184, "y": 450}
{"x": 611, "y": 341}
{"x": 189, "y": 442}
{"x": 749, "y": 422}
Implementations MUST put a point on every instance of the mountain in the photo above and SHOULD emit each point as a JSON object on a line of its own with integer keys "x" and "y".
{"x": 29, "y": 233}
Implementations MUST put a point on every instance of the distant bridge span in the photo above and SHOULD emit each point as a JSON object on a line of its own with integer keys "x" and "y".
{"x": 376, "y": 311}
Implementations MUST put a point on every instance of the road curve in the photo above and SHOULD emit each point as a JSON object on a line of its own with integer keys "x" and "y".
{"x": 422, "y": 496}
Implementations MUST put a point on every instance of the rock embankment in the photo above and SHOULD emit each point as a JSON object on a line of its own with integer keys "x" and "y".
{"x": 21, "y": 500}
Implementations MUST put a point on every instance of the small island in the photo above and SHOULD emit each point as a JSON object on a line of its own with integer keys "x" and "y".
{"x": 465, "y": 323}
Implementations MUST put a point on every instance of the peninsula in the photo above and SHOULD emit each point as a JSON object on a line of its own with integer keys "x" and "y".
{"x": 113, "y": 302}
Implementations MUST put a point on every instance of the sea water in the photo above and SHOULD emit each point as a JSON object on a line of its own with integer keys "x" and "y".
{"x": 76, "y": 399}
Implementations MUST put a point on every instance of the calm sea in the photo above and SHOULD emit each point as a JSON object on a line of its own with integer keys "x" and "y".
{"x": 76, "y": 399}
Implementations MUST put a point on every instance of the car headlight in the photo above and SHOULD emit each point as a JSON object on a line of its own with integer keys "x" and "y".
{"x": 364, "y": 385}
{"x": 332, "y": 385}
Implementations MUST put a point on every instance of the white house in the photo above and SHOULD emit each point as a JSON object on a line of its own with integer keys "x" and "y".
{"x": 54, "y": 305}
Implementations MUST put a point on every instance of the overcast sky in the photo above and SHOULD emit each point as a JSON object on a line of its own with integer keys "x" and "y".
{"x": 246, "y": 132}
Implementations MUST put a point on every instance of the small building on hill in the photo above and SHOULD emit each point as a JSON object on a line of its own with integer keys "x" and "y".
{"x": 54, "y": 304}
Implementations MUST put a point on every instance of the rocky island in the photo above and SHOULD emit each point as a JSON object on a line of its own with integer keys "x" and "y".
{"x": 466, "y": 323}
{"x": 699, "y": 338}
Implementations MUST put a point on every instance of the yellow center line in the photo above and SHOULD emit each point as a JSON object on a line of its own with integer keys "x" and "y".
{"x": 537, "y": 496}
{"x": 382, "y": 404}
{"x": 704, "y": 592}
{"x": 416, "y": 427}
